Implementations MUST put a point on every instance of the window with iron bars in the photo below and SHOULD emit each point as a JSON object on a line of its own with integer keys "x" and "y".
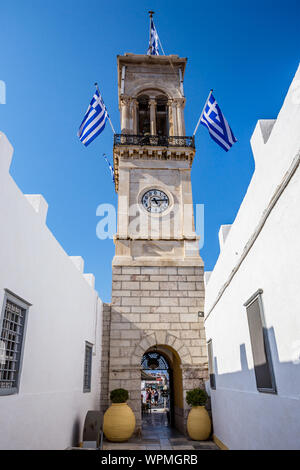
{"x": 11, "y": 343}
{"x": 87, "y": 375}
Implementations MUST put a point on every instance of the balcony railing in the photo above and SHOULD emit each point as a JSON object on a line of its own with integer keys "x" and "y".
{"x": 154, "y": 140}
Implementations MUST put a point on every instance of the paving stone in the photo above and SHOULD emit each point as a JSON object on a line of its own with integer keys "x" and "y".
{"x": 157, "y": 435}
{"x": 211, "y": 446}
{"x": 183, "y": 448}
{"x": 181, "y": 442}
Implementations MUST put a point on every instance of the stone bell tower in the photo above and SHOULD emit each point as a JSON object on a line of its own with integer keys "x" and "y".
{"x": 157, "y": 287}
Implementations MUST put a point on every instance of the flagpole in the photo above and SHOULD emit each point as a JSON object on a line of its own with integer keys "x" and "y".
{"x": 161, "y": 45}
{"x": 112, "y": 127}
{"x": 151, "y": 13}
{"x": 111, "y": 168}
{"x": 196, "y": 128}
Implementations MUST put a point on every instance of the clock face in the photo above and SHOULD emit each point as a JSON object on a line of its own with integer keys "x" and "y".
{"x": 155, "y": 201}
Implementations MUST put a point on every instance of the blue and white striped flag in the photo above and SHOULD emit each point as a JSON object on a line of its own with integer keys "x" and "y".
{"x": 153, "y": 44}
{"x": 94, "y": 120}
{"x": 219, "y": 129}
{"x": 112, "y": 171}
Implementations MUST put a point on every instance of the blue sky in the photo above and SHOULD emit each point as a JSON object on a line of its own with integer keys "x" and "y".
{"x": 52, "y": 52}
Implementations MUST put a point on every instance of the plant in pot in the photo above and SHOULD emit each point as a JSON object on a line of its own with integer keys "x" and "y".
{"x": 198, "y": 423}
{"x": 119, "y": 419}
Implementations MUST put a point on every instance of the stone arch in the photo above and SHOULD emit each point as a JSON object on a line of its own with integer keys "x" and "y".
{"x": 180, "y": 355}
{"x": 156, "y": 92}
{"x": 159, "y": 89}
{"x": 162, "y": 338}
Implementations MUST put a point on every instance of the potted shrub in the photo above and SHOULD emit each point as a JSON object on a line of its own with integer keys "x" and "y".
{"x": 119, "y": 419}
{"x": 198, "y": 423}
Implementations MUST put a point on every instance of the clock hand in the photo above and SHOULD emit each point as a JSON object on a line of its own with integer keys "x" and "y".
{"x": 155, "y": 200}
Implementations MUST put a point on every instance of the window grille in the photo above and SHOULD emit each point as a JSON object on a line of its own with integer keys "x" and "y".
{"x": 11, "y": 340}
{"x": 87, "y": 377}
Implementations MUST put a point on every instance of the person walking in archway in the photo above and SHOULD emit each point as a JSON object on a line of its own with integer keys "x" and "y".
{"x": 156, "y": 396}
{"x": 148, "y": 399}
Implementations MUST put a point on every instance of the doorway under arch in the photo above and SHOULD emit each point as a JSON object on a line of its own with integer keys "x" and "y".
{"x": 162, "y": 374}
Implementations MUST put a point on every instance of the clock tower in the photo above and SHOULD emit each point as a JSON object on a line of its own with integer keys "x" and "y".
{"x": 157, "y": 283}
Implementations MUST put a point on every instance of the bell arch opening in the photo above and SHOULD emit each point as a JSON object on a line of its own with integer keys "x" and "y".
{"x": 153, "y": 115}
{"x": 143, "y": 115}
{"x": 162, "y": 119}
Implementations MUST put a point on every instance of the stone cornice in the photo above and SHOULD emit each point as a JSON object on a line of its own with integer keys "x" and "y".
{"x": 176, "y": 102}
{"x": 170, "y": 62}
{"x": 151, "y": 153}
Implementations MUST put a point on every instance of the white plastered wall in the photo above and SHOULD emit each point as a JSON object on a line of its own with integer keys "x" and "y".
{"x": 48, "y": 411}
{"x": 243, "y": 417}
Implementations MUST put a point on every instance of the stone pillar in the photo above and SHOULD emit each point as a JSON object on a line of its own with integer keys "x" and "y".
{"x": 124, "y": 100}
{"x": 170, "y": 117}
{"x": 132, "y": 120}
{"x": 173, "y": 122}
{"x": 180, "y": 102}
{"x": 152, "y": 104}
{"x": 135, "y": 107}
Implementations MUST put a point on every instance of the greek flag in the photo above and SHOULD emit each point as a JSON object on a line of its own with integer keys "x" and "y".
{"x": 219, "y": 129}
{"x": 94, "y": 120}
{"x": 112, "y": 171}
{"x": 153, "y": 44}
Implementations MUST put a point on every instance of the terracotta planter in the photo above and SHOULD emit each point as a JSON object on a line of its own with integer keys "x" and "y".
{"x": 199, "y": 424}
{"x": 118, "y": 422}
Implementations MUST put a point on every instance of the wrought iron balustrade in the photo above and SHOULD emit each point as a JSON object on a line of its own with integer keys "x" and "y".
{"x": 154, "y": 140}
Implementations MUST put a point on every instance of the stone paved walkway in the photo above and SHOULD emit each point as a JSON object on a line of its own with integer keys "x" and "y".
{"x": 157, "y": 435}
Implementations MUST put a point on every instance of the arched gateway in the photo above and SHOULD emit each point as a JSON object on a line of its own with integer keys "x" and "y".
{"x": 157, "y": 390}
{"x": 157, "y": 286}
{"x": 160, "y": 370}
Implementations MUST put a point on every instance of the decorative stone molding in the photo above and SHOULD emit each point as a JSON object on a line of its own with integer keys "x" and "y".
{"x": 125, "y": 100}
{"x": 151, "y": 153}
{"x": 179, "y": 102}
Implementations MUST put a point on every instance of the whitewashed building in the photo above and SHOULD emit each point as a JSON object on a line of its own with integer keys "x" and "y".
{"x": 50, "y": 327}
{"x": 252, "y": 301}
